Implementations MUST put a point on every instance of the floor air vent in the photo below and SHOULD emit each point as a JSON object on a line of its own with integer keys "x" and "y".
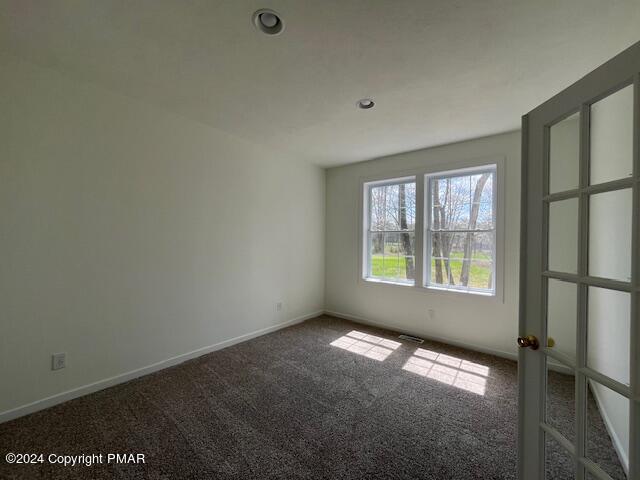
{"x": 409, "y": 338}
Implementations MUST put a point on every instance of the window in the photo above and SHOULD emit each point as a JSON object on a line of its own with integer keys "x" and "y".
{"x": 434, "y": 230}
{"x": 461, "y": 230}
{"x": 390, "y": 231}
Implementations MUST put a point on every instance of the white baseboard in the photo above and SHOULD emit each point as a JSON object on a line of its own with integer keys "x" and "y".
{"x": 617, "y": 444}
{"x": 449, "y": 341}
{"x": 139, "y": 372}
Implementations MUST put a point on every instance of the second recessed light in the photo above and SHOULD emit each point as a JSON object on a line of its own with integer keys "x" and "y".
{"x": 365, "y": 103}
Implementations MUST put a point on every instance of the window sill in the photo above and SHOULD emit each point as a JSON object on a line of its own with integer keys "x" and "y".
{"x": 378, "y": 281}
{"x": 460, "y": 291}
{"x": 429, "y": 288}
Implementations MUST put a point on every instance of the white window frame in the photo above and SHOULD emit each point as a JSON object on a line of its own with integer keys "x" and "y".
{"x": 420, "y": 174}
{"x": 428, "y": 283}
{"x": 367, "y": 230}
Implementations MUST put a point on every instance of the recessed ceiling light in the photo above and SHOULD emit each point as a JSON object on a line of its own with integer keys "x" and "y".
{"x": 365, "y": 103}
{"x": 267, "y": 21}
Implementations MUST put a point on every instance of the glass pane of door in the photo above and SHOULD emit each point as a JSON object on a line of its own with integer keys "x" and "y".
{"x": 559, "y": 464}
{"x": 610, "y": 235}
{"x": 612, "y": 137}
{"x": 607, "y": 430}
{"x": 563, "y": 236}
{"x": 609, "y": 331}
{"x": 564, "y": 153}
{"x": 562, "y": 301}
{"x": 560, "y": 411}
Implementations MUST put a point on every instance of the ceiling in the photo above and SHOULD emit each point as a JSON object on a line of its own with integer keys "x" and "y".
{"x": 440, "y": 71}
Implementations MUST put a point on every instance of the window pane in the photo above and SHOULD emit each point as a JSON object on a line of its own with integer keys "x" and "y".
{"x": 482, "y": 261}
{"x": 399, "y": 260}
{"x": 462, "y": 203}
{"x": 392, "y": 218}
{"x": 391, "y": 253}
{"x": 393, "y": 207}
{"x": 485, "y": 216}
{"x": 410, "y": 207}
{"x": 481, "y": 275}
{"x": 450, "y": 204}
{"x": 407, "y": 255}
{"x": 376, "y": 245}
{"x": 482, "y": 246}
{"x": 377, "y": 201}
{"x": 462, "y": 259}
{"x": 400, "y": 206}
{"x": 459, "y": 203}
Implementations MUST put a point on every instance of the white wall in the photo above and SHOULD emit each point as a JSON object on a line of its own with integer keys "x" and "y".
{"x": 481, "y": 322}
{"x": 130, "y": 235}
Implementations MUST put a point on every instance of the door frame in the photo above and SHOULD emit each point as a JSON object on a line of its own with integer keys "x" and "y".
{"x": 622, "y": 70}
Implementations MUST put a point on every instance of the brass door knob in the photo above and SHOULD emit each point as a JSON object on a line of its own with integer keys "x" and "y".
{"x": 529, "y": 341}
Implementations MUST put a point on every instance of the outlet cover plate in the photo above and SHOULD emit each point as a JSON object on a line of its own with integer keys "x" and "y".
{"x": 58, "y": 361}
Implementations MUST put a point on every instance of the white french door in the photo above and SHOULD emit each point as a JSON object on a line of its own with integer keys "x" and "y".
{"x": 579, "y": 361}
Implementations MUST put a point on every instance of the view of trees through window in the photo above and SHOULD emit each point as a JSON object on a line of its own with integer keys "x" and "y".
{"x": 461, "y": 230}
{"x": 392, "y": 232}
{"x": 459, "y": 226}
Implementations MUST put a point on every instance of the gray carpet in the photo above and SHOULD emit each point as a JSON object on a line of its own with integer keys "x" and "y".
{"x": 290, "y": 405}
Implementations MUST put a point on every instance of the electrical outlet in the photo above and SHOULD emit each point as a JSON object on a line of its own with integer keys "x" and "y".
{"x": 58, "y": 361}
{"x": 279, "y": 307}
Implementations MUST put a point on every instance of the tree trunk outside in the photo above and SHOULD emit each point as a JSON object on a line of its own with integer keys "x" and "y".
{"x": 406, "y": 240}
{"x": 441, "y": 242}
{"x": 446, "y": 240}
